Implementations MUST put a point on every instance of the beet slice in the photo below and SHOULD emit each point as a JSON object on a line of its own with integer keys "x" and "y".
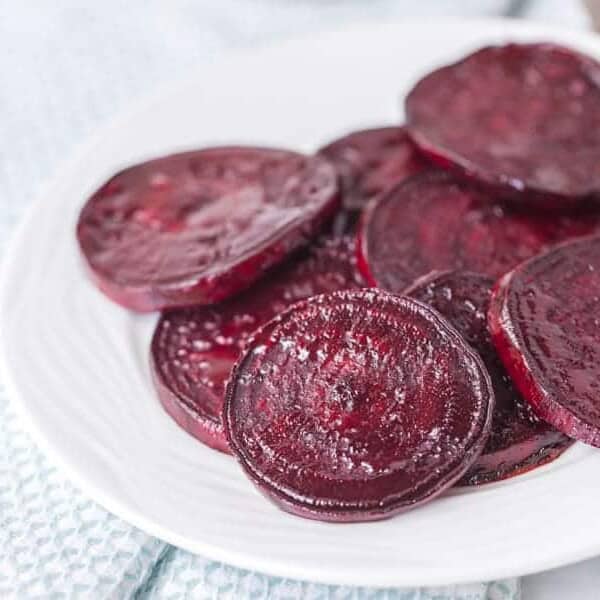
{"x": 518, "y": 441}
{"x": 357, "y": 405}
{"x": 544, "y": 323}
{"x": 200, "y": 226}
{"x": 520, "y": 117}
{"x": 194, "y": 349}
{"x": 436, "y": 221}
{"x": 372, "y": 161}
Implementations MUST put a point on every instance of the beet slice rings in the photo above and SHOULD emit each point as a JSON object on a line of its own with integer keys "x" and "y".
{"x": 520, "y": 117}
{"x": 349, "y": 404}
{"x": 435, "y": 221}
{"x": 357, "y": 405}
{"x": 519, "y": 441}
{"x": 194, "y": 349}
{"x": 197, "y": 227}
{"x": 372, "y": 161}
{"x": 545, "y": 326}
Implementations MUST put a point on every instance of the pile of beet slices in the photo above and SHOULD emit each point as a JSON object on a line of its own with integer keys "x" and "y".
{"x": 410, "y": 308}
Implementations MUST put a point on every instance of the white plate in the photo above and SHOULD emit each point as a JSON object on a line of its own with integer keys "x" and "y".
{"x": 78, "y": 370}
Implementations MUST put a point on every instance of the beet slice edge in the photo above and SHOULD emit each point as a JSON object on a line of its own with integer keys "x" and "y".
{"x": 519, "y": 441}
{"x": 436, "y": 221}
{"x": 520, "y": 118}
{"x": 264, "y": 406}
{"x": 542, "y": 322}
{"x": 194, "y": 349}
{"x": 372, "y": 161}
{"x": 200, "y": 226}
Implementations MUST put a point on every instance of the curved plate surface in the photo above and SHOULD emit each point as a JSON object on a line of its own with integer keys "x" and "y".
{"x": 77, "y": 365}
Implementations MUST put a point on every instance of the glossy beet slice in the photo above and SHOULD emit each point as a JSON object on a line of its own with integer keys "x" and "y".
{"x": 197, "y": 227}
{"x": 194, "y": 349}
{"x": 435, "y": 221}
{"x": 372, "y": 161}
{"x": 518, "y": 441}
{"x": 545, "y": 326}
{"x": 357, "y": 405}
{"x": 520, "y": 117}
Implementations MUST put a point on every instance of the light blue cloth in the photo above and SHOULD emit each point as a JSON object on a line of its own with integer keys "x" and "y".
{"x": 66, "y": 68}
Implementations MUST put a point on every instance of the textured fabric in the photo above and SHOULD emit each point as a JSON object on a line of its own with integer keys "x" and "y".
{"x": 66, "y": 68}
{"x": 182, "y": 575}
{"x": 54, "y": 542}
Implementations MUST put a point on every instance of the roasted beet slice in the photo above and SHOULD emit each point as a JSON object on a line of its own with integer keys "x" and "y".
{"x": 518, "y": 441}
{"x": 197, "y": 227}
{"x": 194, "y": 349}
{"x": 520, "y": 117}
{"x": 372, "y": 161}
{"x": 435, "y": 221}
{"x": 544, "y": 320}
{"x": 357, "y": 405}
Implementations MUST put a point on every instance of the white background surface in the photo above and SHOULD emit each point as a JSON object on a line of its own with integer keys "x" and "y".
{"x": 65, "y": 69}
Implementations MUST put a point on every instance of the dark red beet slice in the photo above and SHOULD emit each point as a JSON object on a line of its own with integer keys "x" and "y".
{"x": 518, "y": 441}
{"x": 544, "y": 320}
{"x": 371, "y": 162}
{"x": 197, "y": 227}
{"x": 194, "y": 349}
{"x": 435, "y": 221}
{"x": 518, "y": 117}
{"x": 357, "y": 405}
